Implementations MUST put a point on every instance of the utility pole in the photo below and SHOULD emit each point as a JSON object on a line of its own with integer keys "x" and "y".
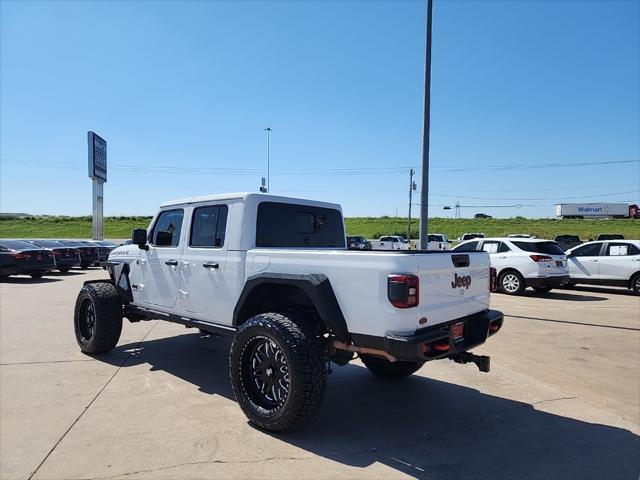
{"x": 424, "y": 194}
{"x": 268, "y": 130}
{"x": 412, "y": 187}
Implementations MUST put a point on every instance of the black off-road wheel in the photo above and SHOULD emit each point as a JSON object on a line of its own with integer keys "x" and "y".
{"x": 98, "y": 318}
{"x": 278, "y": 370}
{"x": 384, "y": 368}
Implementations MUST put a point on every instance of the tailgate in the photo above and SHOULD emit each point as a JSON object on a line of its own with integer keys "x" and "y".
{"x": 453, "y": 285}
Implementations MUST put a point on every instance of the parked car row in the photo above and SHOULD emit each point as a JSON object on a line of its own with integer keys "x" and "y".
{"x": 544, "y": 265}
{"x": 38, "y": 257}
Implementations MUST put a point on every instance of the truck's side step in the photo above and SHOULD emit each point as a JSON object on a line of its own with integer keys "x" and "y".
{"x": 189, "y": 322}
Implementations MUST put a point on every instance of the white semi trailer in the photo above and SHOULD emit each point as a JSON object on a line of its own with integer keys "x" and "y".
{"x": 596, "y": 210}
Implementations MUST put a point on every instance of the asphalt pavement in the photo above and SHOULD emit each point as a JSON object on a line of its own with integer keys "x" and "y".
{"x": 562, "y": 400}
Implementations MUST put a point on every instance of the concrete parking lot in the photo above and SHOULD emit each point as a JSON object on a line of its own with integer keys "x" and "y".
{"x": 562, "y": 401}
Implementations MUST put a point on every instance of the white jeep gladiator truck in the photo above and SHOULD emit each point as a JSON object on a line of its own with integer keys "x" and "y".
{"x": 275, "y": 273}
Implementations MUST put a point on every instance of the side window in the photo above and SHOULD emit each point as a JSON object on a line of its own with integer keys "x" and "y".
{"x": 208, "y": 226}
{"x": 617, "y": 249}
{"x": 491, "y": 247}
{"x": 503, "y": 248}
{"x": 592, "y": 250}
{"x": 166, "y": 231}
{"x": 385, "y": 239}
{"x": 467, "y": 247}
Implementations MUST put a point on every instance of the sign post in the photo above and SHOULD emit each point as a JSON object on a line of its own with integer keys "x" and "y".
{"x": 98, "y": 175}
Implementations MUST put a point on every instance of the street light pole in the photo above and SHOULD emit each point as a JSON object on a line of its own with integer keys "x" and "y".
{"x": 411, "y": 189}
{"x": 424, "y": 194}
{"x": 268, "y": 130}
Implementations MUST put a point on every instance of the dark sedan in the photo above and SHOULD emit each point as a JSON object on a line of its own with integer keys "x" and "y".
{"x": 89, "y": 254}
{"x": 104, "y": 247}
{"x": 358, "y": 243}
{"x": 66, "y": 257}
{"x": 24, "y": 258}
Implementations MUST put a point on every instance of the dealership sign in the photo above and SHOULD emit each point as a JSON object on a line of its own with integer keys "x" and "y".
{"x": 97, "y": 157}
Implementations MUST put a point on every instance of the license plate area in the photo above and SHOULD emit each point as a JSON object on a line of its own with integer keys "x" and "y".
{"x": 457, "y": 330}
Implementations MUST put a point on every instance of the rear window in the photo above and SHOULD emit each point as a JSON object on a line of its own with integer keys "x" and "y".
{"x": 18, "y": 245}
{"x": 291, "y": 225}
{"x": 550, "y": 248}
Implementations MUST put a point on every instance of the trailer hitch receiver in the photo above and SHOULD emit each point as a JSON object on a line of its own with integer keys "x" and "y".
{"x": 482, "y": 361}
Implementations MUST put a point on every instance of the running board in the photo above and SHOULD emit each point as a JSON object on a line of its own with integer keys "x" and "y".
{"x": 482, "y": 361}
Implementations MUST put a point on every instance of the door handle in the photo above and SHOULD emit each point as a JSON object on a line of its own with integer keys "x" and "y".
{"x": 172, "y": 263}
{"x": 210, "y": 265}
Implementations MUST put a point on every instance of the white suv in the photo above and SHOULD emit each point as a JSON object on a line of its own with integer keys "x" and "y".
{"x": 614, "y": 263}
{"x": 522, "y": 263}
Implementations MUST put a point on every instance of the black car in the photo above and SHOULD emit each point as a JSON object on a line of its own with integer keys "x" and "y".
{"x": 104, "y": 248}
{"x": 358, "y": 243}
{"x": 66, "y": 257}
{"x": 89, "y": 254}
{"x": 24, "y": 258}
{"x": 565, "y": 242}
{"x": 609, "y": 236}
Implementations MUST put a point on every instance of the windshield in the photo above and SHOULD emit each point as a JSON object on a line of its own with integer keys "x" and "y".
{"x": 550, "y": 248}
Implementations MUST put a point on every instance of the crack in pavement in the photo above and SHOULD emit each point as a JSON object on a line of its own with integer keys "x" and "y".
{"x": 90, "y": 403}
{"x": 202, "y": 462}
{"x": 46, "y": 362}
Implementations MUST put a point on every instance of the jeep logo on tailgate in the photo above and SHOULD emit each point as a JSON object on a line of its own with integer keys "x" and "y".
{"x": 462, "y": 281}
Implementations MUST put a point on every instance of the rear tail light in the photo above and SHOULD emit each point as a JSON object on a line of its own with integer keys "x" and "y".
{"x": 57, "y": 253}
{"x": 541, "y": 258}
{"x": 403, "y": 290}
{"x": 493, "y": 279}
{"x": 21, "y": 256}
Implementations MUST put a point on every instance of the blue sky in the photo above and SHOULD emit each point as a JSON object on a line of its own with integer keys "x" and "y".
{"x": 183, "y": 90}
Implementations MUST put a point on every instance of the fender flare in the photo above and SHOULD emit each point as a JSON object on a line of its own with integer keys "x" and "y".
{"x": 316, "y": 286}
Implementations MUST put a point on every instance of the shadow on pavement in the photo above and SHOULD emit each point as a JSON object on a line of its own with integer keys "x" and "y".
{"x": 418, "y": 426}
{"x": 26, "y": 280}
{"x": 553, "y": 295}
{"x": 594, "y": 289}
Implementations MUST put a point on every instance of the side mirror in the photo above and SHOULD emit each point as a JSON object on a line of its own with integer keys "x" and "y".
{"x": 139, "y": 238}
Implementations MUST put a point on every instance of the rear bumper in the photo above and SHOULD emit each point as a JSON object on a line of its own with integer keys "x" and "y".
{"x": 432, "y": 343}
{"x": 554, "y": 281}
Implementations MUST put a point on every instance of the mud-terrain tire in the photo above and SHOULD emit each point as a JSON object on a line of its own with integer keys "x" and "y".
{"x": 277, "y": 366}
{"x": 384, "y": 368}
{"x": 97, "y": 318}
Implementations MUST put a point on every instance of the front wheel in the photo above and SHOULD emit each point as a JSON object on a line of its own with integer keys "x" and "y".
{"x": 635, "y": 284}
{"x": 36, "y": 276}
{"x": 384, "y": 368}
{"x": 98, "y": 318}
{"x": 277, "y": 371}
{"x": 64, "y": 269}
{"x": 512, "y": 283}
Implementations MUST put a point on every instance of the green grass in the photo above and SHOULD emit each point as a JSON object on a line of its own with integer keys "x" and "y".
{"x": 370, "y": 227}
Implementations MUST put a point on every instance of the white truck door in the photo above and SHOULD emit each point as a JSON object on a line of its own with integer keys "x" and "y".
{"x": 204, "y": 262}
{"x": 159, "y": 266}
{"x": 620, "y": 261}
{"x": 584, "y": 261}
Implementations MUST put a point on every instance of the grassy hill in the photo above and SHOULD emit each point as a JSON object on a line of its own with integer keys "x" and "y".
{"x": 370, "y": 227}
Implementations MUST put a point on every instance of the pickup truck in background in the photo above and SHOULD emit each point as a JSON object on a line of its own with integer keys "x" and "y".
{"x": 437, "y": 241}
{"x": 390, "y": 242}
{"x": 274, "y": 273}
